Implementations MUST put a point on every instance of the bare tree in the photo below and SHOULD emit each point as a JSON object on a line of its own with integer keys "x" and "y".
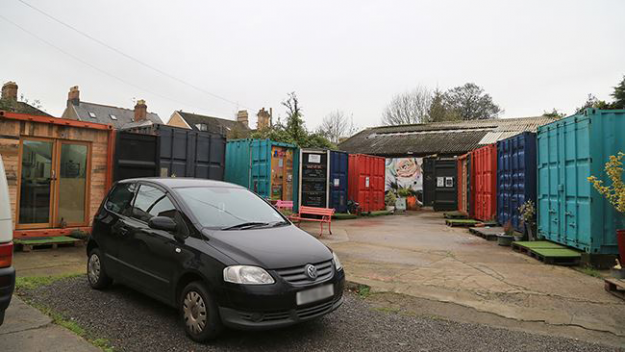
{"x": 337, "y": 125}
{"x": 408, "y": 107}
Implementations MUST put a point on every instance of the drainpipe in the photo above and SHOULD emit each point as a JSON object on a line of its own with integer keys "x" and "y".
{"x": 110, "y": 159}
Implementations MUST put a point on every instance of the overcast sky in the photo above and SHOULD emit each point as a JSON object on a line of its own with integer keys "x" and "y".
{"x": 531, "y": 56}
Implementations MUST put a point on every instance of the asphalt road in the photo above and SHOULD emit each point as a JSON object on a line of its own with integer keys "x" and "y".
{"x": 133, "y": 322}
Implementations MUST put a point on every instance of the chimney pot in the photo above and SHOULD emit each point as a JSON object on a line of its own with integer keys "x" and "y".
{"x": 141, "y": 111}
{"x": 73, "y": 97}
{"x": 9, "y": 90}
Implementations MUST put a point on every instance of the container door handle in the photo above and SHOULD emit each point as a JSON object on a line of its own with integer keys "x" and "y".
{"x": 573, "y": 225}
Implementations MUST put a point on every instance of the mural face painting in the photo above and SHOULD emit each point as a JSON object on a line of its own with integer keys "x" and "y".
{"x": 404, "y": 173}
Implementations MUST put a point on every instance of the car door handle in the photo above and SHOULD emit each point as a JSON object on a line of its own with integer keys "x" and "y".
{"x": 123, "y": 230}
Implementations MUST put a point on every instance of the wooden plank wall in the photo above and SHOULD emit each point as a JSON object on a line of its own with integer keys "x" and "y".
{"x": 10, "y": 133}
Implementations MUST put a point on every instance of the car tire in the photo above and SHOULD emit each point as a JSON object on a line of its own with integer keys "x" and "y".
{"x": 199, "y": 313}
{"x": 96, "y": 272}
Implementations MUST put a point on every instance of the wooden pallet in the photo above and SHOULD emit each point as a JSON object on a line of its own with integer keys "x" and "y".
{"x": 615, "y": 287}
{"x": 556, "y": 256}
{"x": 487, "y": 233}
{"x": 461, "y": 222}
{"x": 30, "y": 244}
{"x": 455, "y": 215}
{"x": 527, "y": 246}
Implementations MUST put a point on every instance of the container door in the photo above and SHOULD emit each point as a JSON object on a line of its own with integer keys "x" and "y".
{"x": 73, "y": 177}
{"x": 549, "y": 180}
{"x": 338, "y": 181}
{"x": 278, "y": 173}
{"x": 36, "y": 181}
{"x": 445, "y": 192}
{"x": 429, "y": 183}
{"x": 314, "y": 190}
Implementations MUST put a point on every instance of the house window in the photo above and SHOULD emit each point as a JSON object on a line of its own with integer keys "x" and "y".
{"x": 113, "y": 117}
{"x": 202, "y": 126}
{"x": 92, "y": 114}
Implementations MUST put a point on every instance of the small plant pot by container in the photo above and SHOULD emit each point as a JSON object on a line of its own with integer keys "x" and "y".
{"x": 505, "y": 240}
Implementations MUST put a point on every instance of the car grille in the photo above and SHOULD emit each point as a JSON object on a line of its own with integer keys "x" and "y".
{"x": 297, "y": 275}
{"x": 300, "y": 313}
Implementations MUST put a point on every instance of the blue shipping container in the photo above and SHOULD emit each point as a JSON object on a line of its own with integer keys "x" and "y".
{"x": 264, "y": 166}
{"x": 516, "y": 177}
{"x": 339, "y": 162}
{"x": 570, "y": 210}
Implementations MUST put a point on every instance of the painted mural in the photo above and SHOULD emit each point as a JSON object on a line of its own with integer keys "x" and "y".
{"x": 404, "y": 173}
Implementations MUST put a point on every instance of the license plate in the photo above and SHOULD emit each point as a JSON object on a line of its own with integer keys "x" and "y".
{"x": 314, "y": 294}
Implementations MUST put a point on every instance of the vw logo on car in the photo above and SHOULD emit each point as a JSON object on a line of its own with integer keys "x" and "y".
{"x": 311, "y": 271}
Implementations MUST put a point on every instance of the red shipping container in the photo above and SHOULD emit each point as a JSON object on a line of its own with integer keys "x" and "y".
{"x": 466, "y": 184}
{"x": 485, "y": 176}
{"x": 366, "y": 181}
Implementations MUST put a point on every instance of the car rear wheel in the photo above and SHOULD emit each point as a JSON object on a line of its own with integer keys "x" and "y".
{"x": 96, "y": 273}
{"x": 199, "y": 313}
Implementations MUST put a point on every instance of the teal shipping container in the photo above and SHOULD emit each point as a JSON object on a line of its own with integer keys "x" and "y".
{"x": 263, "y": 166}
{"x": 570, "y": 210}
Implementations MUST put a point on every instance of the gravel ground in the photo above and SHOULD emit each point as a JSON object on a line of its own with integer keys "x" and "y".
{"x": 133, "y": 322}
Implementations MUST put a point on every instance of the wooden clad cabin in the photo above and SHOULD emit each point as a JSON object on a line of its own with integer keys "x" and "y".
{"x": 58, "y": 172}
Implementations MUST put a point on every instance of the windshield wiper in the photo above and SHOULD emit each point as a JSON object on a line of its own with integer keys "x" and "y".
{"x": 279, "y": 223}
{"x": 245, "y": 225}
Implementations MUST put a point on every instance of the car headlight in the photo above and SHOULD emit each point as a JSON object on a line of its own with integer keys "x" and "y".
{"x": 337, "y": 262}
{"x": 247, "y": 275}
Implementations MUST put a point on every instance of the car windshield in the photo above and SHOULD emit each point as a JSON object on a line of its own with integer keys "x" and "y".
{"x": 229, "y": 208}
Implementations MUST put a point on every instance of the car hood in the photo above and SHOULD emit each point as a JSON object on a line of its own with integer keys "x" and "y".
{"x": 272, "y": 248}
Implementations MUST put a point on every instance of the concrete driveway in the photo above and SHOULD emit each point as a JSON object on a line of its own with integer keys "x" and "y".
{"x": 417, "y": 255}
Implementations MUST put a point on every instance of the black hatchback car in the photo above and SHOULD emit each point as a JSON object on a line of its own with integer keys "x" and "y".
{"x": 218, "y": 252}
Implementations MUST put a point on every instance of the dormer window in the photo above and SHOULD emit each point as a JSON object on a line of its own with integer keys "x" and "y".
{"x": 201, "y": 126}
{"x": 113, "y": 117}
{"x": 92, "y": 114}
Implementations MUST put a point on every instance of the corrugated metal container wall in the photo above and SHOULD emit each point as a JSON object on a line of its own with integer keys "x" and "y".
{"x": 516, "y": 177}
{"x": 465, "y": 184}
{"x": 445, "y": 190}
{"x": 570, "y": 210}
{"x": 485, "y": 168}
{"x": 178, "y": 151}
{"x": 339, "y": 162}
{"x": 135, "y": 156}
{"x": 264, "y": 166}
{"x": 366, "y": 181}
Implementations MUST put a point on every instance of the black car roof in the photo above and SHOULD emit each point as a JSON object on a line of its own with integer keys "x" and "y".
{"x": 178, "y": 182}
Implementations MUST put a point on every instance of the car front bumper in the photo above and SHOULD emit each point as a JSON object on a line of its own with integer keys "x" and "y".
{"x": 7, "y": 285}
{"x": 274, "y": 306}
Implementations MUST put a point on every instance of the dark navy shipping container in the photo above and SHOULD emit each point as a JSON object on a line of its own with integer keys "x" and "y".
{"x": 516, "y": 177}
{"x": 339, "y": 168}
{"x": 136, "y": 155}
{"x": 179, "y": 152}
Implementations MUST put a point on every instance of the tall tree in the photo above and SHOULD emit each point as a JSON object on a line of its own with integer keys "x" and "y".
{"x": 619, "y": 95}
{"x": 439, "y": 111}
{"x": 471, "y": 102}
{"x": 408, "y": 107}
{"x": 337, "y": 125}
{"x": 294, "y": 122}
{"x": 593, "y": 102}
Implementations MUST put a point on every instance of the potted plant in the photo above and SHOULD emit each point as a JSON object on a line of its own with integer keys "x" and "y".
{"x": 389, "y": 200}
{"x": 528, "y": 213}
{"x": 403, "y": 194}
{"x": 506, "y": 238}
{"x": 614, "y": 193}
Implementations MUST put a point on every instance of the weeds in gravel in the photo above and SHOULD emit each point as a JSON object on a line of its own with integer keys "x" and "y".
{"x": 590, "y": 272}
{"x": 389, "y": 310}
{"x": 33, "y": 282}
{"x": 364, "y": 291}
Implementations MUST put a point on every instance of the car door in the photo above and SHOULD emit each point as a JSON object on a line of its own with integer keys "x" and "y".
{"x": 108, "y": 225}
{"x": 150, "y": 255}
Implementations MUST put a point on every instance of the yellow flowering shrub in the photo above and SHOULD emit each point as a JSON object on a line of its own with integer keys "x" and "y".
{"x": 614, "y": 193}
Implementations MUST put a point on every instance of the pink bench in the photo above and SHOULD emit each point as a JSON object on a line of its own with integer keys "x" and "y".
{"x": 284, "y": 204}
{"x": 325, "y": 213}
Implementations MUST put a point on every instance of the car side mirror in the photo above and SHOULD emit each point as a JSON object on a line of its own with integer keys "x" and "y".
{"x": 162, "y": 223}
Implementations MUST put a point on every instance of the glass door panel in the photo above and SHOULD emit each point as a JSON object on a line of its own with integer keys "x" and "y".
{"x": 72, "y": 184}
{"x": 36, "y": 181}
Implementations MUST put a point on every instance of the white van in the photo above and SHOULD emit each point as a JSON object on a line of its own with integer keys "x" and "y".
{"x": 7, "y": 272}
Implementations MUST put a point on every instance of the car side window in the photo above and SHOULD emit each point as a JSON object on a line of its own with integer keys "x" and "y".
{"x": 151, "y": 202}
{"x": 120, "y": 198}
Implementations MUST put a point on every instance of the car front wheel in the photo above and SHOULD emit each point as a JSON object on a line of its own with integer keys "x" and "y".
{"x": 199, "y": 313}
{"x": 96, "y": 273}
